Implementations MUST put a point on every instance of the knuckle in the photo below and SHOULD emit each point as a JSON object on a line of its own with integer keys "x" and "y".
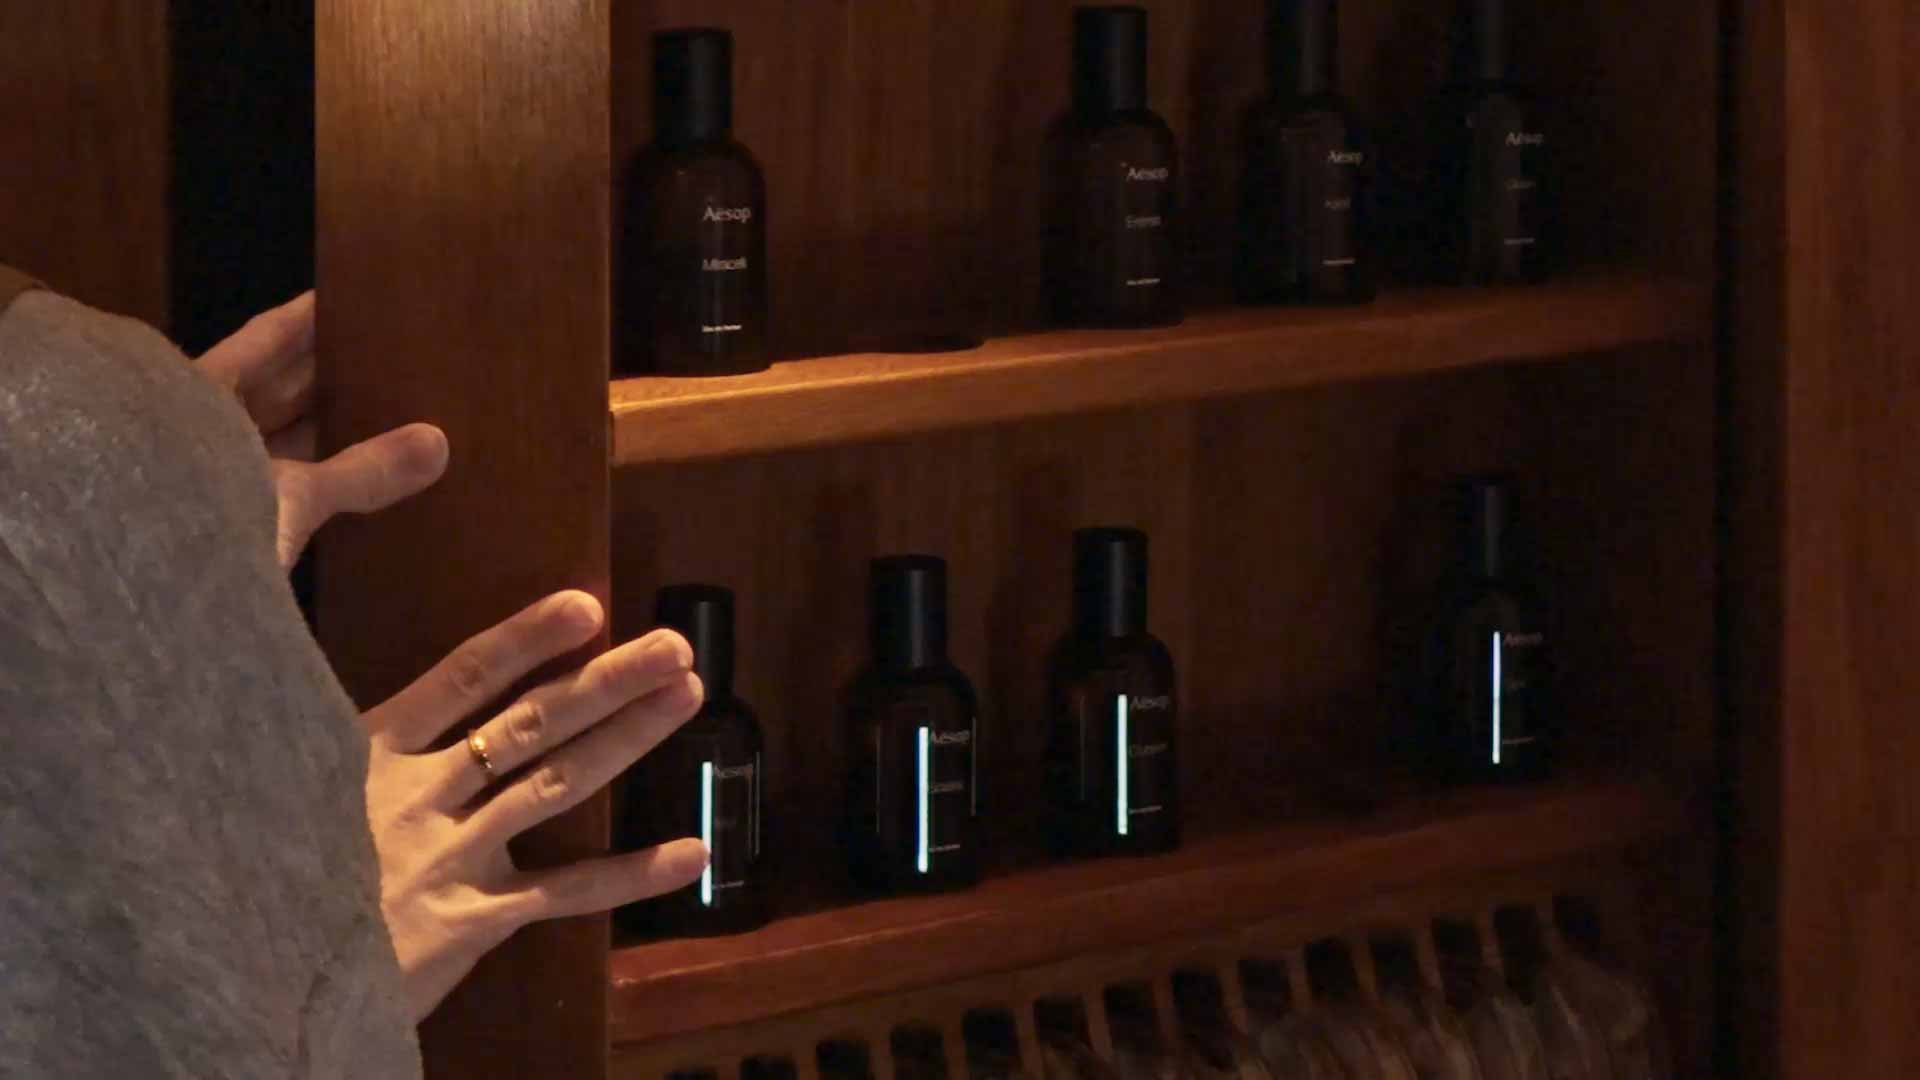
{"x": 527, "y": 725}
{"x": 551, "y": 783}
{"x": 468, "y": 673}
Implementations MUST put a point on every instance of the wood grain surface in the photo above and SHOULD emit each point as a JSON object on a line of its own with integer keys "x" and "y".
{"x": 85, "y": 151}
{"x": 822, "y": 401}
{"x": 1825, "y": 410}
{"x": 463, "y": 265}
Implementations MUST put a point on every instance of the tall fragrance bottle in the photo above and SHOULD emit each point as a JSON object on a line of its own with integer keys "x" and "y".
{"x": 1305, "y": 229}
{"x": 1491, "y": 700}
{"x": 707, "y": 779}
{"x": 1112, "y": 773}
{"x": 1493, "y": 171}
{"x": 911, "y": 790}
{"x": 694, "y": 257}
{"x": 1113, "y": 249}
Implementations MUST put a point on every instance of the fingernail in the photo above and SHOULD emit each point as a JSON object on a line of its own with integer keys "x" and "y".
{"x": 580, "y": 612}
{"x": 692, "y": 856}
{"x": 428, "y": 450}
{"x": 669, "y": 649}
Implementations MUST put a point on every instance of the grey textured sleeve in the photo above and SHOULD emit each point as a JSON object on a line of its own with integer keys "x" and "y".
{"x": 187, "y": 882}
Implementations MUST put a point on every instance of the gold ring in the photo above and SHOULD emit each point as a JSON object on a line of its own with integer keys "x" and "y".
{"x": 477, "y": 746}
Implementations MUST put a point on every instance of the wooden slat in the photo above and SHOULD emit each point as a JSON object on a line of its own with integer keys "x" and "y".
{"x": 463, "y": 220}
{"x": 866, "y": 396}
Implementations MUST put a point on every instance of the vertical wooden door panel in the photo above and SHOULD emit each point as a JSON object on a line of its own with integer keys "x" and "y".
{"x": 463, "y": 265}
{"x": 84, "y": 150}
{"x": 1825, "y": 508}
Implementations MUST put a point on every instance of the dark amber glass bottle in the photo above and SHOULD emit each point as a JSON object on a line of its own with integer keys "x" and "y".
{"x": 706, "y": 780}
{"x": 693, "y": 263}
{"x": 1496, "y": 215}
{"x": 1112, "y": 770}
{"x": 1113, "y": 249}
{"x": 1305, "y": 224}
{"x": 911, "y": 730}
{"x": 1491, "y": 696}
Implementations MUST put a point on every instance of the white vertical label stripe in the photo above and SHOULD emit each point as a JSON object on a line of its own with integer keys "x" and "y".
{"x": 1496, "y": 697}
{"x": 706, "y": 831}
{"x": 1122, "y": 757}
{"x": 922, "y": 788}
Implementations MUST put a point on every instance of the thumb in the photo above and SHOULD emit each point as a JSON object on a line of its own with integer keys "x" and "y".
{"x": 361, "y": 479}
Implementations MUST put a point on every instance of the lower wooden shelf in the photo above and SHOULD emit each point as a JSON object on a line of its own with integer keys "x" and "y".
{"x": 1214, "y": 882}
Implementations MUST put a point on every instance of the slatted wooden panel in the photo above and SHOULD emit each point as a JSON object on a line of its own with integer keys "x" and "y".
{"x": 1087, "y": 985}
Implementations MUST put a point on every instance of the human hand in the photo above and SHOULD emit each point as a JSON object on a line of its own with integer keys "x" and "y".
{"x": 269, "y": 365}
{"x": 441, "y": 820}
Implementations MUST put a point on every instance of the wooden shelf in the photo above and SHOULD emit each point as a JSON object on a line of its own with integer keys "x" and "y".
{"x": 836, "y": 399}
{"x": 1215, "y": 882}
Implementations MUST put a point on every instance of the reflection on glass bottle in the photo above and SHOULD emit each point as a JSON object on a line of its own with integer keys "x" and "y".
{"x": 1305, "y": 230}
{"x": 1495, "y": 210}
{"x": 911, "y": 793}
{"x": 707, "y": 779}
{"x": 1491, "y": 701}
{"x": 694, "y": 258}
{"x": 1112, "y": 244}
{"x": 1112, "y": 770}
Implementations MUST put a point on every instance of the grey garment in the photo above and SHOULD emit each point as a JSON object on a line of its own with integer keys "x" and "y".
{"x": 188, "y": 885}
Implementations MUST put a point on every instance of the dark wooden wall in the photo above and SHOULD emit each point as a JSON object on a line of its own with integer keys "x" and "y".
{"x": 1824, "y": 548}
{"x": 156, "y": 159}
{"x": 85, "y": 150}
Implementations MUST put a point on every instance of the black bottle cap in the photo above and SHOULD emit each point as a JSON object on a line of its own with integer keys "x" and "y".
{"x": 704, "y": 616}
{"x": 1486, "y": 513}
{"x": 1303, "y": 45}
{"x": 692, "y": 86}
{"x": 1109, "y": 60}
{"x": 1109, "y": 582}
{"x": 908, "y": 608}
{"x": 1482, "y": 39}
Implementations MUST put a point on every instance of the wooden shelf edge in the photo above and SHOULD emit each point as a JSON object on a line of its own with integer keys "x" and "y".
{"x": 664, "y": 989}
{"x": 838, "y": 399}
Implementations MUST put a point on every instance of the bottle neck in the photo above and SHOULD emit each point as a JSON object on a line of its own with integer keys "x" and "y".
{"x": 1486, "y": 43}
{"x": 692, "y": 136}
{"x": 1303, "y": 49}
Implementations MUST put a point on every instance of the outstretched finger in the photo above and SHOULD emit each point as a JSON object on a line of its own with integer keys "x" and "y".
{"x": 484, "y": 667}
{"x": 564, "y": 778}
{"x": 268, "y": 363}
{"x": 551, "y": 715}
{"x": 363, "y": 478}
{"x": 597, "y": 885}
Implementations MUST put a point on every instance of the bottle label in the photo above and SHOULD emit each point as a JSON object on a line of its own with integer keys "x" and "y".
{"x": 1511, "y": 186}
{"x": 1145, "y": 206}
{"x": 1331, "y": 233}
{"x": 924, "y": 791}
{"x": 1142, "y": 779}
{"x": 726, "y": 235}
{"x": 944, "y": 783}
{"x": 1513, "y": 683}
{"x": 729, "y": 818}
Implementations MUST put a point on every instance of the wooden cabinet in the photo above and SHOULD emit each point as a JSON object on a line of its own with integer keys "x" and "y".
{"x": 1715, "y": 441}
